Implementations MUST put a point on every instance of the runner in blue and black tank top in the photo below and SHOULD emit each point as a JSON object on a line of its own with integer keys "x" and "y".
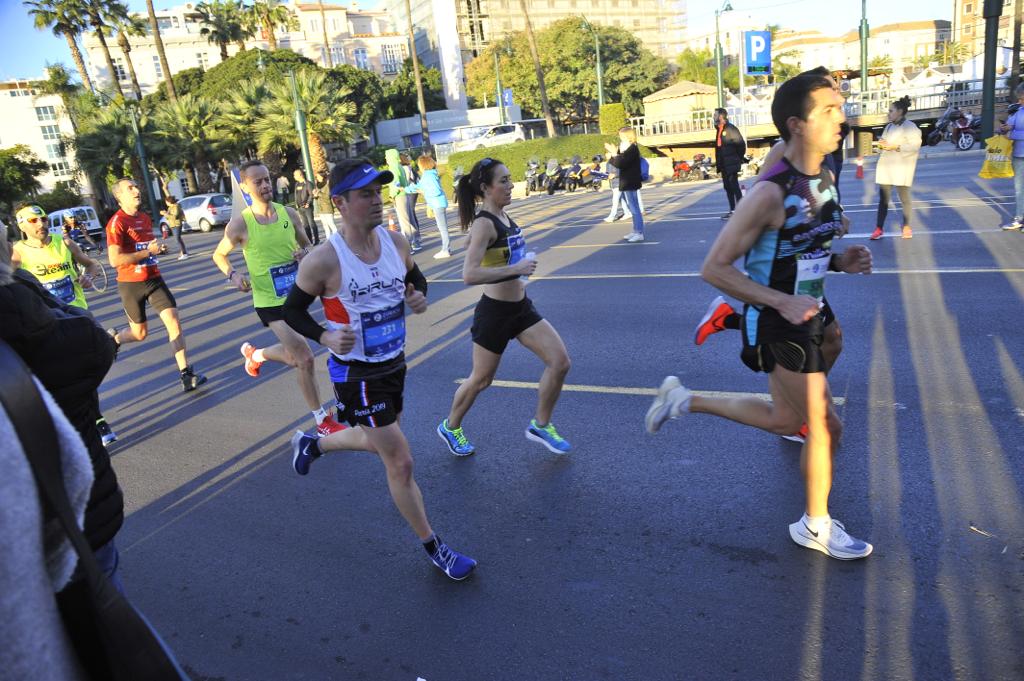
{"x": 783, "y": 229}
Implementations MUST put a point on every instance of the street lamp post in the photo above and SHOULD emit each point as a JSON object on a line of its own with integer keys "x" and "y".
{"x": 597, "y": 53}
{"x": 140, "y": 151}
{"x": 497, "y": 87}
{"x": 718, "y": 52}
{"x": 300, "y": 127}
{"x": 864, "y": 34}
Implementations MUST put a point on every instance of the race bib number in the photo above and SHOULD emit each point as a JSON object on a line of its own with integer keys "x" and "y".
{"x": 516, "y": 248}
{"x": 283, "y": 277}
{"x": 148, "y": 262}
{"x": 63, "y": 289}
{"x": 383, "y": 331}
{"x": 810, "y": 277}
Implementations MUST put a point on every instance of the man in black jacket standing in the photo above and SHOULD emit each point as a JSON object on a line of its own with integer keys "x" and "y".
{"x": 730, "y": 148}
{"x": 304, "y": 194}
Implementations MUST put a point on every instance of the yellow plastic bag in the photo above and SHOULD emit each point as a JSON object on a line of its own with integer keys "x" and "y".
{"x": 997, "y": 158}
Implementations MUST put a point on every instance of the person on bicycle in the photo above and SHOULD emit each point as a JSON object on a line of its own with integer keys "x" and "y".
{"x": 74, "y": 230}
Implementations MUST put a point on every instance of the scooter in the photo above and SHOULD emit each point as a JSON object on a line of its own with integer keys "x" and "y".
{"x": 954, "y": 126}
{"x": 556, "y": 176}
{"x": 533, "y": 178}
{"x": 592, "y": 176}
{"x": 573, "y": 176}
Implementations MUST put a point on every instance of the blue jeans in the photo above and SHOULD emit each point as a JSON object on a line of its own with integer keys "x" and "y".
{"x": 109, "y": 559}
{"x": 633, "y": 202}
{"x": 1018, "y": 185}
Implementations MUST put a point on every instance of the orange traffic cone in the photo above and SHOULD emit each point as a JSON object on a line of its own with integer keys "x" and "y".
{"x": 860, "y": 167}
{"x": 392, "y": 227}
{"x": 743, "y": 190}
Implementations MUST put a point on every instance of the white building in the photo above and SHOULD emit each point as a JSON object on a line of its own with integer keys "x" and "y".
{"x": 39, "y": 122}
{"x": 902, "y": 43}
{"x": 361, "y": 38}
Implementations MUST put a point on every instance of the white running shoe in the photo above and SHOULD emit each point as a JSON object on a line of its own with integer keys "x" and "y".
{"x": 635, "y": 237}
{"x": 831, "y": 539}
{"x": 671, "y": 401}
{"x": 441, "y": 255}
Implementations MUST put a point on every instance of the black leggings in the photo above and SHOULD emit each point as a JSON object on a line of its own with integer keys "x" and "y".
{"x": 884, "y": 194}
{"x": 731, "y": 182}
{"x": 176, "y": 231}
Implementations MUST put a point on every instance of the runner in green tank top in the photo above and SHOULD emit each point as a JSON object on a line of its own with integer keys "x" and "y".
{"x": 272, "y": 241}
{"x": 52, "y": 259}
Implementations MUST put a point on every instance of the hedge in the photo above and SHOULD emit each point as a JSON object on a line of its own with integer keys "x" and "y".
{"x": 518, "y": 154}
{"x": 611, "y": 118}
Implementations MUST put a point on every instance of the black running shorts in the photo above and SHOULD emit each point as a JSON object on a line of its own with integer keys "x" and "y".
{"x": 801, "y": 356}
{"x": 496, "y": 322}
{"x": 135, "y": 295}
{"x": 373, "y": 403}
{"x": 270, "y": 314}
{"x": 827, "y": 315}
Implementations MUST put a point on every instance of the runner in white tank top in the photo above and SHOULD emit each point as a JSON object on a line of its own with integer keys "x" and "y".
{"x": 365, "y": 277}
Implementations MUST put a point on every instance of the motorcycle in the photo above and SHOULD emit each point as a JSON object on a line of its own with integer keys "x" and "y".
{"x": 957, "y": 127}
{"x": 534, "y": 178}
{"x": 574, "y": 175}
{"x": 556, "y": 176}
{"x": 704, "y": 167}
{"x": 592, "y": 176}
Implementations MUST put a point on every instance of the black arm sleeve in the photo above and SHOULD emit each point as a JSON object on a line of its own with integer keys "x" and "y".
{"x": 296, "y": 314}
{"x": 416, "y": 278}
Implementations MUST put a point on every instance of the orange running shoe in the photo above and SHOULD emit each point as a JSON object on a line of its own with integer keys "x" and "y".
{"x": 877, "y": 234}
{"x": 252, "y": 367}
{"x": 799, "y": 436}
{"x": 907, "y": 232}
{"x": 713, "y": 320}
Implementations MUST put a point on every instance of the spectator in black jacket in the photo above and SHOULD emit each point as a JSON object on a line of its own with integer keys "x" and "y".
{"x": 730, "y": 148}
{"x": 304, "y": 205}
{"x": 70, "y": 354}
{"x": 626, "y": 157}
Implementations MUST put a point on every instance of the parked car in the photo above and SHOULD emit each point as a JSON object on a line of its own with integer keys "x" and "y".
{"x": 493, "y": 137}
{"x": 85, "y": 216}
{"x": 204, "y": 211}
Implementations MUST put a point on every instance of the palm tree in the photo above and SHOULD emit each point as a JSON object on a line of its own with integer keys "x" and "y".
{"x": 237, "y": 117}
{"x": 268, "y": 15}
{"x": 124, "y": 24}
{"x": 65, "y": 18}
{"x": 954, "y": 53}
{"x": 105, "y": 144}
{"x": 329, "y": 114}
{"x": 98, "y": 13}
{"x": 224, "y": 23}
{"x": 186, "y": 125}
{"x": 549, "y": 121}
{"x": 154, "y": 26}
{"x": 882, "y": 61}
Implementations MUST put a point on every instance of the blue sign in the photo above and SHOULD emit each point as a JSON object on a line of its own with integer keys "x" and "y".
{"x": 506, "y": 96}
{"x": 757, "y": 47}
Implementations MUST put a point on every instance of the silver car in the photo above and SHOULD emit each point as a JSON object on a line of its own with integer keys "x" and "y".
{"x": 204, "y": 211}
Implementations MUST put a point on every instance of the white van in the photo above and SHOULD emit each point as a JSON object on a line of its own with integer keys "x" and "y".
{"x": 84, "y": 215}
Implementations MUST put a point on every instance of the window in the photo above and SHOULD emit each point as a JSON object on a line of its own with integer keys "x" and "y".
{"x": 21, "y": 93}
{"x": 157, "y": 68}
{"x": 336, "y": 25}
{"x": 220, "y": 200}
{"x": 636, "y": 23}
{"x": 61, "y": 169}
{"x": 167, "y": 22}
{"x": 51, "y": 132}
{"x": 119, "y": 70}
{"x": 662, "y": 25}
{"x": 361, "y": 58}
{"x": 190, "y": 202}
{"x": 314, "y": 25}
{"x": 968, "y": 8}
{"x": 392, "y": 56}
{"x": 337, "y": 55}
{"x": 202, "y": 61}
{"x": 55, "y": 152}
{"x": 46, "y": 113}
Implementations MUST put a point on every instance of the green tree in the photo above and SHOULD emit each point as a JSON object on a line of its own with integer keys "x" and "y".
{"x": 696, "y": 66}
{"x": 329, "y": 114}
{"x": 187, "y": 128}
{"x": 63, "y": 195}
{"x": 612, "y": 118}
{"x": 881, "y": 61}
{"x": 245, "y": 67}
{"x": 99, "y": 13}
{"x": 224, "y": 23}
{"x": 400, "y": 94}
{"x": 631, "y": 72}
{"x": 66, "y": 18}
{"x": 922, "y": 62}
{"x": 367, "y": 92}
{"x": 105, "y": 144}
{"x": 236, "y": 119}
{"x": 954, "y": 53}
{"x": 124, "y": 25}
{"x": 186, "y": 81}
{"x": 269, "y": 15}
{"x": 19, "y": 173}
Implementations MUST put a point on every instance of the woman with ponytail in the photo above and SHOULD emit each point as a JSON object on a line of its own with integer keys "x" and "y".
{"x": 900, "y": 144}
{"x": 497, "y": 259}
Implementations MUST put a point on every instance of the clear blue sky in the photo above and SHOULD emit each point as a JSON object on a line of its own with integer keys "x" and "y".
{"x": 27, "y": 51}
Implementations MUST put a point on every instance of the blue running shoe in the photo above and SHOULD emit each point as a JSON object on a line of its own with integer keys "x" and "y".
{"x": 548, "y": 437}
{"x": 304, "y": 451}
{"x": 452, "y": 563}
{"x": 455, "y": 439}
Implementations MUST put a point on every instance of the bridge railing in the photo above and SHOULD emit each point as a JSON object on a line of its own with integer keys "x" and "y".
{"x": 963, "y": 94}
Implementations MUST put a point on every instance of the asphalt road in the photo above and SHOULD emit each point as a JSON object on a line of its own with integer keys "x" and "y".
{"x": 634, "y": 557}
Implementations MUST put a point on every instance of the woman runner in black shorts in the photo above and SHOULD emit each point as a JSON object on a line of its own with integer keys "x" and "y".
{"x": 498, "y": 259}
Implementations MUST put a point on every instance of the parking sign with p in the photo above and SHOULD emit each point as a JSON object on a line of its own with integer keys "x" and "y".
{"x": 758, "y": 48}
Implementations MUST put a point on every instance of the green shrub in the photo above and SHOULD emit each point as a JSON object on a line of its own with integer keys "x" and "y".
{"x": 518, "y": 154}
{"x": 611, "y": 118}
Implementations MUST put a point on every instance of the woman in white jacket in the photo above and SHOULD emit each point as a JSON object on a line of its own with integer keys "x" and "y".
{"x": 900, "y": 144}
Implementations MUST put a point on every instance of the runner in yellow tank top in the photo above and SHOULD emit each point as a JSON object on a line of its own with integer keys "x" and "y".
{"x": 52, "y": 259}
{"x": 272, "y": 242}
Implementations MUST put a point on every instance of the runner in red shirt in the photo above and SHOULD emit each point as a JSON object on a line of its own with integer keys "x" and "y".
{"x": 132, "y": 250}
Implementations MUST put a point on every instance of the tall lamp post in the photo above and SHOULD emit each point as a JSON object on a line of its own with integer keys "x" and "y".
{"x": 300, "y": 127}
{"x": 597, "y": 53}
{"x": 864, "y": 34}
{"x": 497, "y": 88}
{"x": 718, "y": 52}
{"x": 140, "y": 151}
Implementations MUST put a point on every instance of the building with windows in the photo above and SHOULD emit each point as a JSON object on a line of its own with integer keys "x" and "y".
{"x": 41, "y": 123}
{"x": 904, "y": 44}
{"x": 451, "y": 33}
{"x": 365, "y": 39}
{"x": 969, "y": 25}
